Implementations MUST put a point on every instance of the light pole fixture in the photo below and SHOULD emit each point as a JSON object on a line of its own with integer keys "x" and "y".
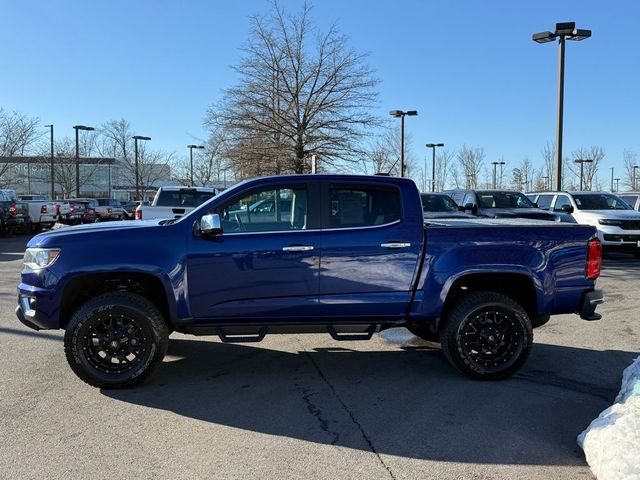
{"x": 635, "y": 177}
{"x": 582, "y": 161}
{"x": 191, "y": 147}
{"x": 135, "y": 150}
{"x": 53, "y": 189}
{"x": 617, "y": 184}
{"x": 495, "y": 166}
{"x": 568, "y": 31}
{"x": 77, "y": 128}
{"x": 400, "y": 114}
{"x": 432, "y": 146}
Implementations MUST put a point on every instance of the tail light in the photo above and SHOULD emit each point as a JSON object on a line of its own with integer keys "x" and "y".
{"x": 594, "y": 259}
{"x": 109, "y": 210}
{"x": 13, "y": 210}
{"x": 138, "y": 214}
{"x": 43, "y": 209}
{"x": 57, "y": 209}
{"x": 72, "y": 208}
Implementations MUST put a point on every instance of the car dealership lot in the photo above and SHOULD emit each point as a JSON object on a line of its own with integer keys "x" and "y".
{"x": 307, "y": 406}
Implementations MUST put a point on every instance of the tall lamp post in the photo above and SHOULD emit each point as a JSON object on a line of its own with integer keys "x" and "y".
{"x": 432, "y": 146}
{"x": 617, "y": 184}
{"x": 53, "y": 189}
{"x": 191, "y": 147}
{"x": 635, "y": 177}
{"x": 77, "y": 128}
{"x": 582, "y": 161}
{"x": 611, "y": 179}
{"x": 568, "y": 31}
{"x": 495, "y": 166}
{"x": 400, "y": 114}
{"x": 135, "y": 152}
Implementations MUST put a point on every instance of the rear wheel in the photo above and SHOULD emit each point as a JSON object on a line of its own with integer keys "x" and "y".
{"x": 115, "y": 340}
{"x": 487, "y": 336}
{"x": 540, "y": 321}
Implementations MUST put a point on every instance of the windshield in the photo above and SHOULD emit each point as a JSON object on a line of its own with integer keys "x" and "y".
{"x": 438, "y": 203}
{"x": 503, "y": 200}
{"x": 182, "y": 198}
{"x": 599, "y": 201}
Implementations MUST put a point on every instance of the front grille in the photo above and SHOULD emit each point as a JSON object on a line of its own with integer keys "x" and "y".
{"x": 621, "y": 238}
{"x": 630, "y": 225}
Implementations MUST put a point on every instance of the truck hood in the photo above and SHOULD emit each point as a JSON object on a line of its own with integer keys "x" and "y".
{"x": 91, "y": 228}
{"x": 610, "y": 214}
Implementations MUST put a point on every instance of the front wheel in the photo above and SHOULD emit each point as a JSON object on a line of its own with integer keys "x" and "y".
{"x": 115, "y": 340}
{"x": 487, "y": 336}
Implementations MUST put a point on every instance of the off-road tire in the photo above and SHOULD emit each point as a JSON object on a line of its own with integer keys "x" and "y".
{"x": 540, "y": 321}
{"x": 82, "y": 329}
{"x": 465, "y": 315}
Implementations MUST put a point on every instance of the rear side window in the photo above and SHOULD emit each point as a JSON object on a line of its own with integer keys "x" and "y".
{"x": 561, "y": 201}
{"x": 544, "y": 201}
{"x": 364, "y": 206}
{"x": 182, "y": 198}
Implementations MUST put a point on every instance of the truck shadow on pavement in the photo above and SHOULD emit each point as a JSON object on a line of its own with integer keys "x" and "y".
{"x": 407, "y": 402}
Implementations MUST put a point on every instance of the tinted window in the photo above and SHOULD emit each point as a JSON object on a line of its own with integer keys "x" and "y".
{"x": 457, "y": 197}
{"x": 561, "y": 201}
{"x": 364, "y": 207}
{"x": 630, "y": 199}
{"x": 266, "y": 210}
{"x": 503, "y": 200}
{"x": 438, "y": 203}
{"x": 544, "y": 201}
{"x": 182, "y": 198}
{"x": 599, "y": 201}
{"x": 469, "y": 198}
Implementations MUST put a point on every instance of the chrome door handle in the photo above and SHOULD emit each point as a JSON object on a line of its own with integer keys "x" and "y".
{"x": 298, "y": 248}
{"x": 395, "y": 245}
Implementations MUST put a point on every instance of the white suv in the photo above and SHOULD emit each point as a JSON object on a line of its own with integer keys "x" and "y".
{"x": 617, "y": 223}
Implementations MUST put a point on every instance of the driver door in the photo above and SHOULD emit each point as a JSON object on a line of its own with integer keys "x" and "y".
{"x": 265, "y": 264}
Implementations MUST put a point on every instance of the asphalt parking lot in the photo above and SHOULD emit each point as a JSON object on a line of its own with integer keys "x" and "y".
{"x": 308, "y": 407}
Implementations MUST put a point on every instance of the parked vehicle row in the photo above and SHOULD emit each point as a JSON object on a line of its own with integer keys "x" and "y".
{"x": 14, "y": 214}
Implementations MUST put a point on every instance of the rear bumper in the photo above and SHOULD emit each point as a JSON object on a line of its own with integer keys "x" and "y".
{"x": 589, "y": 303}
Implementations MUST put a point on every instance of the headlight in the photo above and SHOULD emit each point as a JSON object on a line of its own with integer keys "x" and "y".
{"x": 613, "y": 223}
{"x": 36, "y": 258}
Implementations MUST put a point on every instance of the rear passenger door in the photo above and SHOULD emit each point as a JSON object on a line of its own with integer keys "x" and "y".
{"x": 371, "y": 247}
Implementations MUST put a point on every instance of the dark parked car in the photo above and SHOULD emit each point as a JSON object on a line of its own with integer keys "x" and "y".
{"x": 500, "y": 204}
{"x": 81, "y": 210}
{"x": 440, "y": 205}
{"x": 14, "y": 215}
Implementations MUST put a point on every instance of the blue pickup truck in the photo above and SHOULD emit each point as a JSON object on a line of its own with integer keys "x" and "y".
{"x": 340, "y": 254}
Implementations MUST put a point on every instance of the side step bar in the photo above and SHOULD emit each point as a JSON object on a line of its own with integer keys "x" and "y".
{"x": 226, "y": 337}
{"x": 256, "y": 333}
{"x": 350, "y": 336}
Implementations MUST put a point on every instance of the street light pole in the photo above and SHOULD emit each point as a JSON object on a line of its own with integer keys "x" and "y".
{"x": 400, "y": 114}
{"x": 635, "y": 167}
{"x": 191, "y": 147}
{"x": 53, "y": 189}
{"x": 611, "y": 179}
{"x": 582, "y": 162}
{"x": 564, "y": 31}
{"x": 495, "y": 166}
{"x": 135, "y": 152}
{"x": 617, "y": 184}
{"x": 77, "y": 128}
{"x": 433, "y": 146}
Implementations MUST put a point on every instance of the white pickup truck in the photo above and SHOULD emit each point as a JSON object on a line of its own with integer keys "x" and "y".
{"x": 43, "y": 212}
{"x": 174, "y": 202}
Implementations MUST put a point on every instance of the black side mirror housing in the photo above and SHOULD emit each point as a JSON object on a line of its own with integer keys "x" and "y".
{"x": 567, "y": 208}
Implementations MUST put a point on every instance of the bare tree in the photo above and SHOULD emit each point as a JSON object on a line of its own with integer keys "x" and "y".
{"x": 549, "y": 158}
{"x": 383, "y": 155}
{"x": 19, "y": 135}
{"x": 301, "y": 92}
{"x": 629, "y": 160}
{"x": 471, "y": 161}
{"x": 65, "y": 170}
{"x": 595, "y": 154}
{"x": 444, "y": 161}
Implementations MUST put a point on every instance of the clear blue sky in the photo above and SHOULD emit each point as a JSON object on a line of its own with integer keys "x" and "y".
{"x": 469, "y": 67}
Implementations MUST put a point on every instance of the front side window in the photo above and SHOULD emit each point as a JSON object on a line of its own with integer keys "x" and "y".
{"x": 562, "y": 201}
{"x": 630, "y": 199}
{"x": 432, "y": 202}
{"x": 504, "y": 200}
{"x": 364, "y": 206}
{"x": 266, "y": 210}
{"x": 544, "y": 201}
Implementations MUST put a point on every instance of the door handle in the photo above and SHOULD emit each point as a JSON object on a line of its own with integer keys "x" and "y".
{"x": 395, "y": 245}
{"x": 297, "y": 248}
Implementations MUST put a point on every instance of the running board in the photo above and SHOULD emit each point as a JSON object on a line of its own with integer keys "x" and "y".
{"x": 226, "y": 337}
{"x": 351, "y": 336}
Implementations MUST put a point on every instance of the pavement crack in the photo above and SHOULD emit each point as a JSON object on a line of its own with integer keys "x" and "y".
{"x": 351, "y": 415}
{"x": 317, "y": 412}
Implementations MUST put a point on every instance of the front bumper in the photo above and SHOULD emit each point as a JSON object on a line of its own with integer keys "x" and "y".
{"x": 590, "y": 301}
{"x": 617, "y": 239}
{"x": 37, "y": 308}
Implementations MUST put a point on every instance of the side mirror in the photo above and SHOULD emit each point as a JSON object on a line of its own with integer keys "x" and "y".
{"x": 461, "y": 208}
{"x": 535, "y": 204}
{"x": 567, "y": 208}
{"x": 210, "y": 225}
{"x": 470, "y": 206}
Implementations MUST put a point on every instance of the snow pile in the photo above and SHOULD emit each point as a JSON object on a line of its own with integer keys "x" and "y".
{"x": 611, "y": 443}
